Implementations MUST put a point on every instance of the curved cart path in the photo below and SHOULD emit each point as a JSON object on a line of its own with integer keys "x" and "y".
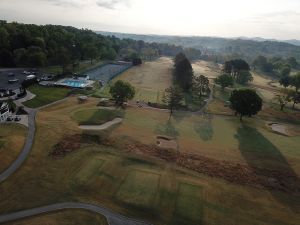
{"x": 26, "y": 149}
{"x": 111, "y": 217}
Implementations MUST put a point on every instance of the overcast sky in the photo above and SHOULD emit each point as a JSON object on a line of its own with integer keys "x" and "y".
{"x": 278, "y": 19}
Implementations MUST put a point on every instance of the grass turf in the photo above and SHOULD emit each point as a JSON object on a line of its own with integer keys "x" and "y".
{"x": 12, "y": 139}
{"x": 96, "y": 116}
{"x": 45, "y": 95}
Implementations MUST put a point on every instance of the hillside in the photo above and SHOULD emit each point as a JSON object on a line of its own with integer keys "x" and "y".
{"x": 245, "y": 48}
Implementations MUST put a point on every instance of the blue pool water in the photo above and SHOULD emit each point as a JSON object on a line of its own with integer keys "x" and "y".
{"x": 75, "y": 83}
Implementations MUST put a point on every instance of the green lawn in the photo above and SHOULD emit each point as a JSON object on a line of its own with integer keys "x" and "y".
{"x": 96, "y": 116}
{"x": 45, "y": 95}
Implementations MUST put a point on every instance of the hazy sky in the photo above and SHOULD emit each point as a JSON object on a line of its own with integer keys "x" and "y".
{"x": 228, "y": 18}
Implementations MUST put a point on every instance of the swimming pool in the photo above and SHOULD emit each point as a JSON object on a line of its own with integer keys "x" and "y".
{"x": 75, "y": 83}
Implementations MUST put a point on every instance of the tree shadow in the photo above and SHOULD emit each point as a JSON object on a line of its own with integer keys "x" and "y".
{"x": 178, "y": 116}
{"x": 167, "y": 129}
{"x": 270, "y": 167}
{"x": 204, "y": 128}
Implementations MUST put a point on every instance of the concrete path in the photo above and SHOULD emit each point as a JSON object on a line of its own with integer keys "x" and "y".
{"x": 111, "y": 217}
{"x": 104, "y": 126}
{"x": 26, "y": 149}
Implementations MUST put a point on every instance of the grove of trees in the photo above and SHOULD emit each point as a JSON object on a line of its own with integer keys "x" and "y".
{"x": 29, "y": 45}
{"x": 239, "y": 70}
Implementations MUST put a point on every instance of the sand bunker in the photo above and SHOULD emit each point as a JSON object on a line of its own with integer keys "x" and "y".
{"x": 104, "y": 126}
{"x": 166, "y": 142}
{"x": 279, "y": 128}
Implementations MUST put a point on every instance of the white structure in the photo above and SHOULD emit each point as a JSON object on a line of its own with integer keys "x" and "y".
{"x": 4, "y": 111}
{"x": 30, "y": 77}
{"x": 83, "y": 77}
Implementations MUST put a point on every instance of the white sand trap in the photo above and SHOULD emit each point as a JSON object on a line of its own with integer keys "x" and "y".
{"x": 166, "y": 142}
{"x": 104, "y": 126}
{"x": 279, "y": 129}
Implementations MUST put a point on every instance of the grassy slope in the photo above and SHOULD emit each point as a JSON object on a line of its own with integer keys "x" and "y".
{"x": 45, "y": 95}
{"x": 150, "y": 79}
{"x": 12, "y": 139}
{"x": 64, "y": 217}
{"x": 95, "y": 116}
{"x": 150, "y": 189}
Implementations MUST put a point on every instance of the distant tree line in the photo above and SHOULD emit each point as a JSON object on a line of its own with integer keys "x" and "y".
{"x": 276, "y": 66}
{"x": 28, "y": 45}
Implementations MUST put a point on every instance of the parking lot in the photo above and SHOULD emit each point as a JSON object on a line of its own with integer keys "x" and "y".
{"x": 14, "y": 74}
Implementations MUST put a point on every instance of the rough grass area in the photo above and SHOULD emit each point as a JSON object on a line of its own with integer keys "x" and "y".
{"x": 45, "y": 95}
{"x": 151, "y": 189}
{"x": 96, "y": 116}
{"x": 63, "y": 217}
{"x": 150, "y": 79}
{"x": 12, "y": 139}
{"x": 189, "y": 205}
{"x": 89, "y": 170}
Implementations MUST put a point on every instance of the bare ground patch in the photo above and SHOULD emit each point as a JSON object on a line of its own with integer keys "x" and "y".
{"x": 233, "y": 172}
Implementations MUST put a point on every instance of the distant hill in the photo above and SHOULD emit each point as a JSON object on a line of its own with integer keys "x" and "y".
{"x": 247, "y": 48}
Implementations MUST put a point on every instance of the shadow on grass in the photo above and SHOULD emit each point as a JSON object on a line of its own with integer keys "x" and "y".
{"x": 204, "y": 128}
{"x": 271, "y": 168}
{"x": 167, "y": 129}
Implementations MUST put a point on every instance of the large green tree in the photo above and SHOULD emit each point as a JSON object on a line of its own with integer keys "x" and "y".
{"x": 224, "y": 80}
{"x": 295, "y": 81}
{"x": 122, "y": 91}
{"x": 200, "y": 85}
{"x": 245, "y": 102}
{"x": 183, "y": 72}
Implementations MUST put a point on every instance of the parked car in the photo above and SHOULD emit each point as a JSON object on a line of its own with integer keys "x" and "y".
{"x": 10, "y": 118}
{"x": 11, "y": 74}
{"x": 13, "y": 81}
{"x": 17, "y": 118}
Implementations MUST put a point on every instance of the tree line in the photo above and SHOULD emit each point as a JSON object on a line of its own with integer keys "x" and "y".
{"x": 29, "y": 45}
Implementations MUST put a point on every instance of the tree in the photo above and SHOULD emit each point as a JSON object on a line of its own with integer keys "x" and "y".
{"x": 225, "y": 80}
{"x": 283, "y": 100}
{"x": 243, "y": 77}
{"x": 295, "y": 81}
{"x": 4, "y": 38}
{"x": 292, "y": 62}
{"x": 245, "y": 102}
{"x": 239, "y": 70}
{"x": 122, "y": 91}
{"x": 200, "y": 85}
{"x": 294, "y": 97}
{"x": 173, "y": 98}
{"x": 91, "y": 52}
{"x": 183, "y": 72}
{"x": 284, "y": 81}
{"x": 285, "y": 71}
{"x": 64, "y": 58}
{"x": 137, "y": 61}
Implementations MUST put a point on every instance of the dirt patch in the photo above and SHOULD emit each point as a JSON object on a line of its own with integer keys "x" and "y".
{"x": 232, "y": 172}
{"x": 166, "y": 142}
{"x": 72, "y": 143}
